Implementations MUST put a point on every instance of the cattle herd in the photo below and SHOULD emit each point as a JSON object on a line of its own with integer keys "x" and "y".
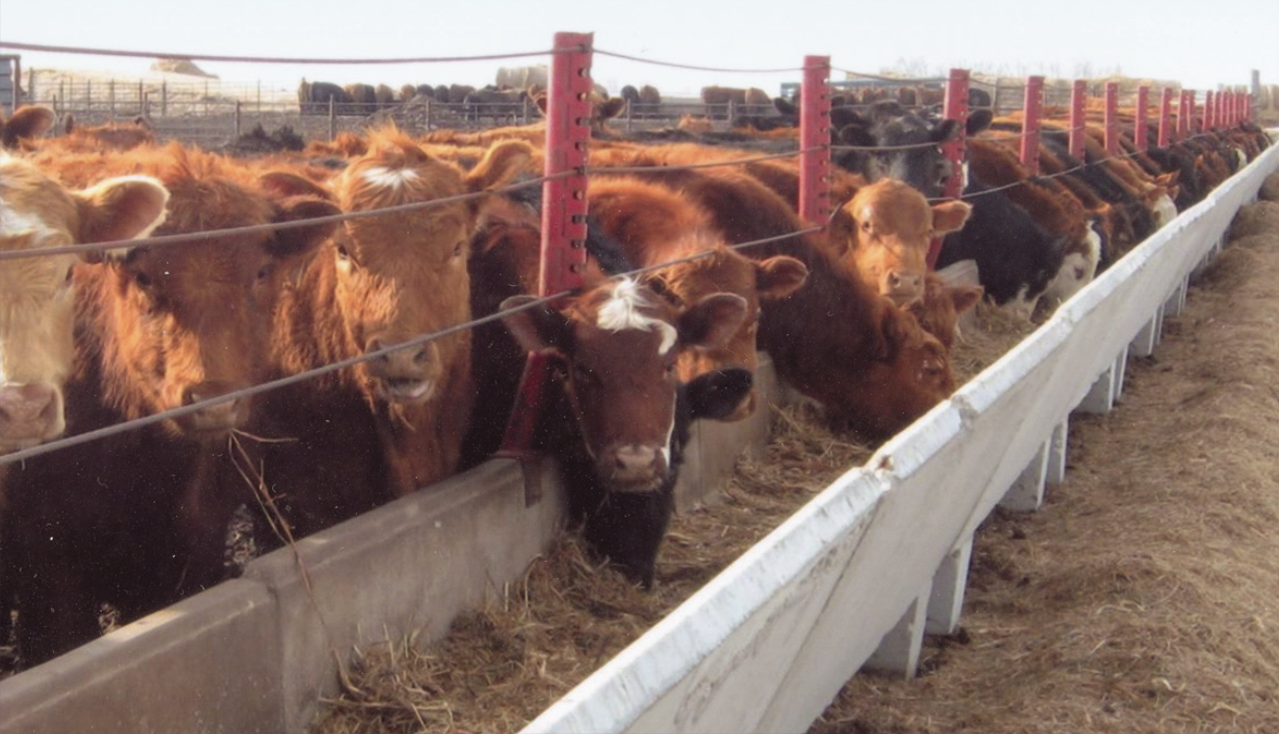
{"x": 342, "y": 273}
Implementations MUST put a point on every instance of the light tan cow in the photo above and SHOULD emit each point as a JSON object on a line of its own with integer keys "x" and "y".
{"x": 36, "y": 303}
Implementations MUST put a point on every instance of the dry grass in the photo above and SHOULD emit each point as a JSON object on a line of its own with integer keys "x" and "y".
{"x": 501, "y": 666}
{"x": 1142, "y": 598}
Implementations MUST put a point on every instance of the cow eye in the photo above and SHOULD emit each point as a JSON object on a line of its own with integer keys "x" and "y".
{"x": 459, "y": 248}
{"x": 866, "y": 226}
{"x": 265, "y": 271}
{"x": 142, "y": 279}
{"x": 70, "y": 272}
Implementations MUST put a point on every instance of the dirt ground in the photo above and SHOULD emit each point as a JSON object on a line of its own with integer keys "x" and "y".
{"x": 1145, "y": 596}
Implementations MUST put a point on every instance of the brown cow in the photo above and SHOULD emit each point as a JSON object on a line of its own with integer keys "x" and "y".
{"x": 139, "y": 519}
{"x": 943, "y": 303}
{"x": 36, "y": 297}
{"x": 393, "y": 424}
{"x": 834, "y": 339}
{"x": 654, "y": 225}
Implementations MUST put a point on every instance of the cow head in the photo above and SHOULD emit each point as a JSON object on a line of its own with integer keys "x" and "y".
{"x": 910, "y": 143}
{"x": 754, "y": 281}
{"x": 943, "y": 303}
{"x": 911, "y": 375}
{"x": 620, "y": 343}
{"x": 887, "y": 235}
{"x": 404, "y": 274}
{"x": 192, "y": 321}
{"x": 36, "y": 294}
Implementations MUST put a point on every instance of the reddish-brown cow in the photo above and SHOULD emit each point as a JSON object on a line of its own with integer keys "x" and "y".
{"x": 834, "y": 339}
{"x": 25, "y": 127}
{"x": 655, "y": 225}
{"x": 394, "y": 423}
{"x": 139, "y": 519}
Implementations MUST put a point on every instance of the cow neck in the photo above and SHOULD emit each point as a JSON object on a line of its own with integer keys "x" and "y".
{"x": 310, "y": 329}
{"x": 833, "y": 293}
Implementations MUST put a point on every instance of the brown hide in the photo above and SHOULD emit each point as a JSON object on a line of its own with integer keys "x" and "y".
{"x": 621, "y": 342}
{"x": 892, "y": 225}
{"x": 834, "y": 339}
{"x": 37, "y": 294}
{"x": 382, "y": 281}
{"x": 939, "y": 311}
{"x": 654, "y": 225}
{"x": 25, "y": 127}
{"x": 185, "y": 322}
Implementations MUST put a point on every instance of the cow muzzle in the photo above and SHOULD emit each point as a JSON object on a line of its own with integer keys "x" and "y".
{"x": 219, "y": 417}
{"x": 903, "y": 287}
{"x": 407, "y": 375}
{"x": 634, "y": 468}
{"x": 30, "y": 413}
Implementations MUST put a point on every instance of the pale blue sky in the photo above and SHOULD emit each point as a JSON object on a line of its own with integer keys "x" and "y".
{"x": 1195, "y": 43}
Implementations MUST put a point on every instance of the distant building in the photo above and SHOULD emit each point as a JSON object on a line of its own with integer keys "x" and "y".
{"x": 6, "y": 83}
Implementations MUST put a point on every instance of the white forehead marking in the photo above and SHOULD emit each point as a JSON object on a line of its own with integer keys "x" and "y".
{"x": 389, "y": 178}
{"x": 622, "y": 312}
{"x": 1165, "y": 210}
{"x": 14, "y": 222}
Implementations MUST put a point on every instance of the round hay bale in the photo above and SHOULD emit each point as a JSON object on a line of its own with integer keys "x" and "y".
{"x": 180, "y": 66}
{"x": 1258, "y": 218}
{"x": 1270, "y": 188}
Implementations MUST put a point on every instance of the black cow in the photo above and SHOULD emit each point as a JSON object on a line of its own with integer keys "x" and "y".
{"x": 314, "y": 97}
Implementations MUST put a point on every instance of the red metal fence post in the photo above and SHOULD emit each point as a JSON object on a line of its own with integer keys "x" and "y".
{"x": 1165, "y": 118}
{"x": 568, "y": 131}
{"x": 955, "y": 107}
{"x": 568, "y": 115}
{"x": 814, "y": 141}
{"x": 1078, "y": 118}
{"x": 1030, "y": 124}
{"x": 1140, "y": 135}
{"x": 1183, "y": 114}
{"x": 1210, "y": 110}
{"x": 1112, "y": 118}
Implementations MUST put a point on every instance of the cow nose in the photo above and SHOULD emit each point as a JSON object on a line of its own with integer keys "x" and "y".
{"x": 904, "y": 286}
{"x": 636, "y": 466}
{"x": 407, "y": 362}
{"x": 222, "y": 416}
{"x": 27, "y": 410}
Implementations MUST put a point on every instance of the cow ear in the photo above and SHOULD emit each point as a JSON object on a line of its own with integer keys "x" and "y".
{"x": 300, "y": 240}
{"x": 978, "y": 120}
{"x": 121, "y": 208}
{"x": 949, "y": 216}
{"x": 711, "y": 321}
{"x": 944, "y": 131}
{"x": 27, "y": 124}
{"x": 535, "y": 328}
{"x": 716, "y": 395}
{"x": 964, "y": 297}
{"x": 779, "y": 276}
{"x": 610, "y": 108}
{"x": 501, "y": 164}
{"x": 287, "y": 183}
{"x": 543, "y": 101}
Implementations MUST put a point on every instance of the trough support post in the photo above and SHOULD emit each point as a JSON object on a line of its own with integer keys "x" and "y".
{"x": 568, "y": 114}
{"x": 237, "y": 118}
{"x": 1111, "y": 118}
{"x": 1176, "y": 300}
{"x": 1030, "y": 124}
{"x": 1055, "y": 472}
{"x": 899, "y": 651}
{"x": 814, "y": 141}
{"x": 1121, "y": 371}
{"x": 1078, "y": 96}
{"x": 946, "y": 597}
{"x": 1143, "y": 345}
{"x": 333, "y": 119}
{"x": 1140, "y": 136}
{"x": 1165, "y": 118}
{"x": 1027, "y": 493}
{"x": 955, "y": 107}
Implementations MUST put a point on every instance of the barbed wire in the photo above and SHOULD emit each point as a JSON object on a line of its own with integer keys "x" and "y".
{"x": 266, "y": 59}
